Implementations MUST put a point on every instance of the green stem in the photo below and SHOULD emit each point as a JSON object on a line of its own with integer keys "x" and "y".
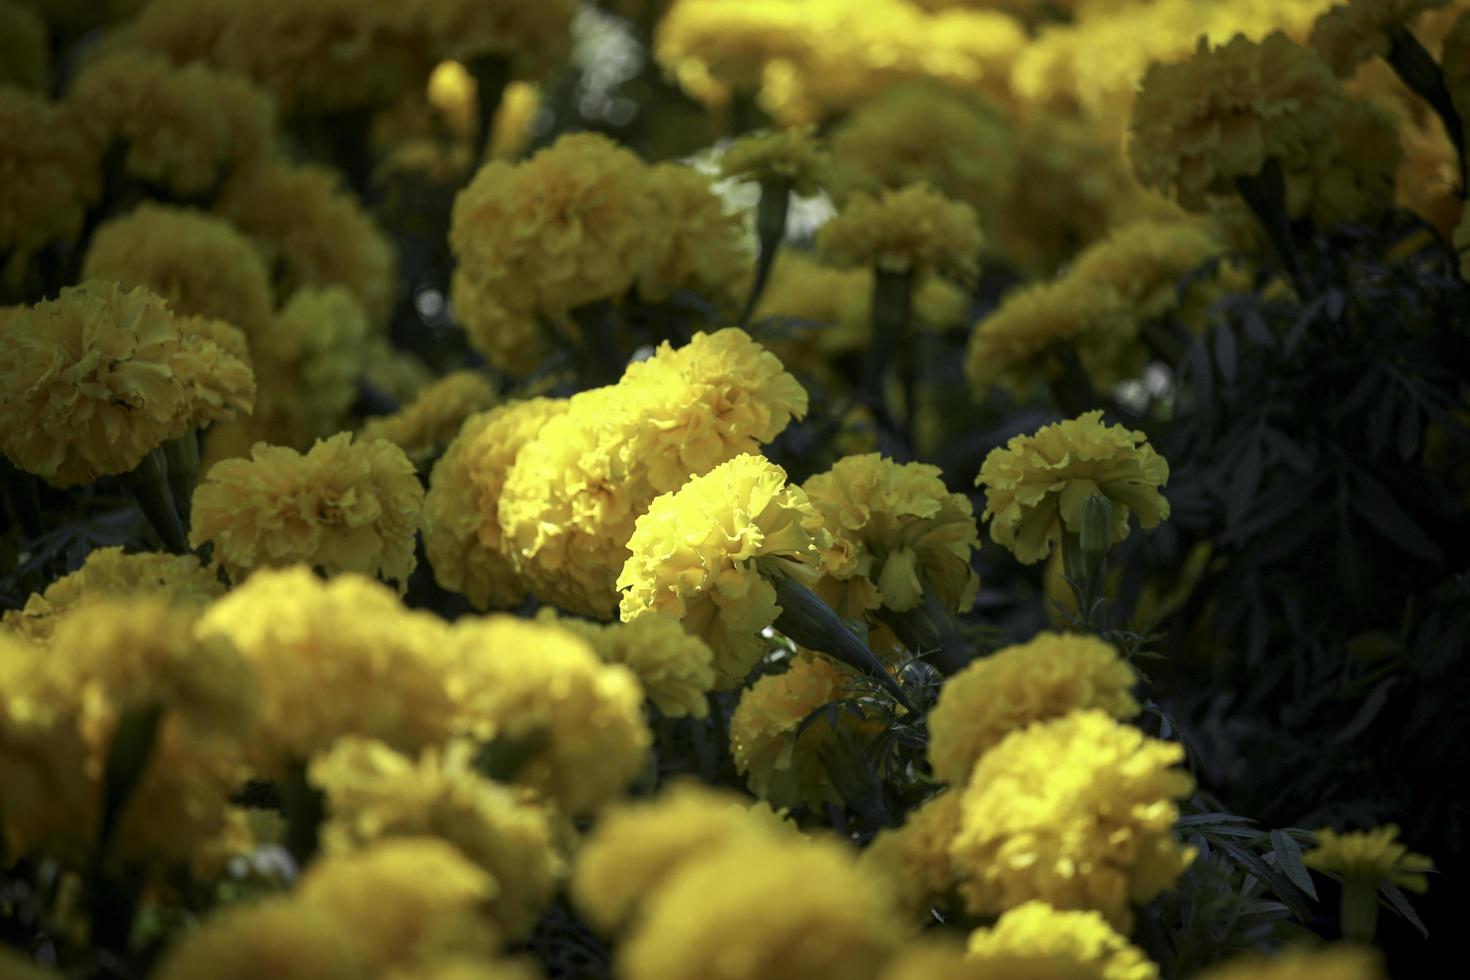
{"x": 306, "y": 808}
{"x": 22, "y": 497}
{"x": 1359, "y": 909}
{"x": 603, "y": 359}
{"x": 892, "y": 306}
{"x": 148, "y": 484}
{"x": 128, "y": 756}
{"x": 770, "y": 229}
{"x": 930, "y": 629}
{"x": 181, "y": 458}
{"x": 491, "y": 73}
{"x": 1265, "y": 195}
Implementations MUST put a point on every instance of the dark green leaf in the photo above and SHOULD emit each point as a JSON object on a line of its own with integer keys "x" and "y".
{"x": 1289, "y": 860}
{"x": 1225, "y": 351}
{"x": 1383, "y": 512}
{"x": 1391, "y": 896}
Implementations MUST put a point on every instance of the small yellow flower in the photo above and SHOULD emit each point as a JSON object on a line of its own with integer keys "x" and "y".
{"x": 794, "y": 156}
{"x": 914, "y": 858}
{"x": 1351, "y": 33}
{"x": 1033, "y": 935}
{"x": 426, "y": 425}
{"x": 1373, "y": 855}
{"x": 1036, "y": 484}
{"x": 911, "y": 230}
{"x": 276, "y": 937}
{"x": 675, "y": 669}
{"x": 51, "y": 176}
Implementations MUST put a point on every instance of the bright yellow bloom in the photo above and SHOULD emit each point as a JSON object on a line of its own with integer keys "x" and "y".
{"x": 1077, "y": 812}
{"x": 1022, "y": 341}
{"x": 928, "y": 956}
{"x": 427, "y": 424}
{"x": 312, "y": 232}
{"x": 25, "y": 48}
{"x": 705, "y": 242}
{"x": 816, "y": 913}
{"x": 461, "y": 516}
{"x": 896, "y": 527}
{"x": 675, "y": 670}
{"x": 336, "y": 658}
{"x": 1048, "y": 677}
{"x": 636, "y": 846}
{"x": 51, "y": 176}
{"x": 1035, "y": 486}
{"x": 794, "y": 156}
{"x": 199, "y": 263}
{"x": 1340, "y": 962}
{"x": 108, "y": 573}
{"x": 470, "y": 968}
{"x": 693, "y": 557}
{"x": 1033, "y": 936}
{"x": 1199, "y": 125}
{"x": 1353, "y": 32}
{"x": 542, "y": 691}
{"x": 1372, "y": 855}
{"x": 373, "y": 792}
{"x": 93, "y": 381}
{"x": 182, "y": 128}
{"x": 279, "y": 937}
{"x": 404, "y": 900}
{"x": 914, "y": 858}
{"x": 342, "y": 507}
{"x": 911, "y": 230}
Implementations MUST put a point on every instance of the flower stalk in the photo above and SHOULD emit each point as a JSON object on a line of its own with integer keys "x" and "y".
{"x": 491, "y": 73}
{"x": 1265, "y": 195}
{"x": 181, "y": 459}
{"x": 770, "y": 229}
{"x": 892, "y": 306}
{"x": 1418, "y": 70}
{"x": 929, "y": 629}
{"x": 1359, "y": 908}
{"x": 149, "y": 485}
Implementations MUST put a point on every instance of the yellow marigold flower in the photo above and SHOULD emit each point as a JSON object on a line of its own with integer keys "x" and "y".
{"x": 924, "y": 958}
{"x": 675, "y": 670}
{"x": 312, "y": 232}
{"x": 373, "y": 792}
{"x": 705, "y": 250}
{"x": 310, "y": 361}
{"x": 461, "y": 515}
{"x": 896, "y": 527}
{"x": 470, "y": 968}
{"x": 713, "y": 47}
{"x": 108, "y": 573}
{"x": 693, "y": 557}
{"x": 1021, "y": 343}
{"x": 636, "y": 846}
{"x": 1354, "y": 32}
{"x": 1199, "y": 125}
{"x": 574, "y": 224}
{"x": 427, "y": 424}
{"x": 912, "y": 230}
{"x": 816, "y": 912}
{"x": 543, "y": 691}
{"x": 1036, "y": 484}
{"x": 1340, "y": 962}
{"x": 51, "y": 176}
{"x": 404, "y": 900}
{"x": 336, "y": 658}
{"x": 1144, "y": 261}
{"x": 93, "y": 381}
{"x": 1374, "y": 855}
{"x": 1035, "y": 936}
{"x": 25, "y": 48}
{"x": 181, "y": 128}
{"x": 214, "y": 367}
{"x": 1356, "y": 182}
{"x": 914, "y": 858}
{"x": 397, "y": 373}
{"x": 783, "y": 763}
{"x": 1048, "y": 677}
{"x": 276, "y": 937}
{"x": 1077, "y": 812}
{"x": 794, "y": 156}
{"x": 342, "y": 507}
{"x": 199, "y": 263}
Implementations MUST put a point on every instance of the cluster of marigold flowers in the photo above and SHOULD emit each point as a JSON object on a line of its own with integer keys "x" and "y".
{"x": 472, "y": 772}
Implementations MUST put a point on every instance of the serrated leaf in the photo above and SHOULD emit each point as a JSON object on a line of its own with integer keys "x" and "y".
{"x": 1391, "y": 896}
{"x": 1268, "y": 876}
{"x": 1289, "y": 860}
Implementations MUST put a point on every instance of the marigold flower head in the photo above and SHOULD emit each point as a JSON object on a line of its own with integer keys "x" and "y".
{"x": 896, "y": 527}
{"x": 461, "y": 515}
{"x": 1035, "y": 936}
{"x": 1144, "y": 261}
{"x": 215, "y": 369}
{"x": 108, "y": 573}
{"x": 373, "y": 792}
{"x": 693, "y": 557}
{"x": 343, "y": 506}
{"x": 312, "y": 232}
{"x": 1351, "y": 33}
{"x": 793, "y": 156}
{"x": 199, "y": 263}
{"x": 427, "y": 424}
{"x": 277, "y": 937}
{"x": 181, "y": 128}
{"x": 94, "y": 380}
{"x": 336, "y": 658}
{"x": 1199, "y": 125}
{"x": 1340, "y": 962}
{"x": 914, "y": 858}
{"x": 816, "y": 913}
{"x": 438, "y": 904}
{"x": 1077, "y": 812}
{"x": 636, "y": 846}
{"x": 1036, "y": 484}
{"x": 1356, "y": 183}
{"x": 911, "y": 230}
{"x": 542, "y": 688}
{"x": 706, "y": 250}
{"x": 25, "y": 48}
{"x": 51, "y": 176}
{"x": 1048, "y": 677}
{"x": 1373, "y": 855}
{"x": 676, "y": 670}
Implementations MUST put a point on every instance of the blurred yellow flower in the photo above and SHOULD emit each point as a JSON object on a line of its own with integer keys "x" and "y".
{"x": 1035, "y": 485}
{"x": 343, "y": 506}
{"x": 1340, "y": 962}
{"x": 425, "y": 426}
{"x": 795, "y": 157}
{"x": 277, "y": 937}
{"x": 51, "y": 176}
{"x": 914, "y": 229}
{"x": 1372, "y": 855}
{"x": 914, "y": 858}
{"x": 1047, "y": 677}
{"x": 1077, "y": 812}
{"x": 25, "y": 48}
{"x": 1353, "y": 32}
{"x": 675, "y": 669}
{"x": 1143, "y": 263}
{"x": 1356, "y": 182}
{"x": 705, "y": 243}
{"x": 1035, "y": 936}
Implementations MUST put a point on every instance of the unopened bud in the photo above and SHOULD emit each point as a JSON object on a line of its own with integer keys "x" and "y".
{"x": 1096, "y": 532}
